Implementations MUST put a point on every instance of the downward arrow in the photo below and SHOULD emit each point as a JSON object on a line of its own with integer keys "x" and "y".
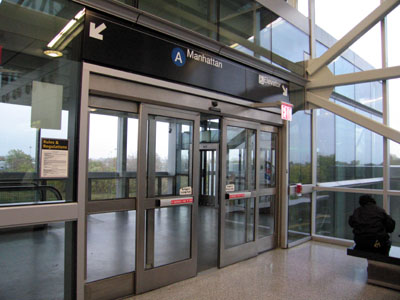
{"x": 94, "y": 31}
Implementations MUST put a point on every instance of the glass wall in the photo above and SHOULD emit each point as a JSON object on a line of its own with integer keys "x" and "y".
{"x": 395, "y": 214}
{"x": 333, "y": 210}
{"x": 300, "y": 148}
{"x": 246, "y": 26}
{"x": 346, "y": 151}
{"x": 299, "y": 225}
{"x": 37, "y": 263}
{"x": 38, "y": 100}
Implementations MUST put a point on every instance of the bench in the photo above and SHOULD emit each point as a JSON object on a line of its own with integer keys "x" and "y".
{"x": 383, "y": 270}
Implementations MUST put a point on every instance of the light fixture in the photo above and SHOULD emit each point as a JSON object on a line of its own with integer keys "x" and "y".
{"x": 72, "y": 24}
{"x": 53, "y": 53}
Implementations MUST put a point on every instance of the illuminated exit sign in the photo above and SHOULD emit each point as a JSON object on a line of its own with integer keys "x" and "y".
{"x": 286, "y": 111}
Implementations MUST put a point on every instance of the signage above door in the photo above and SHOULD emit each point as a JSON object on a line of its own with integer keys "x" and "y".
{"x": 133, "y": 48}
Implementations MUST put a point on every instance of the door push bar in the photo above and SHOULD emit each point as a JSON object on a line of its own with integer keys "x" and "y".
{"x": 174, "y": 201}
{"x": 238, "y": 195}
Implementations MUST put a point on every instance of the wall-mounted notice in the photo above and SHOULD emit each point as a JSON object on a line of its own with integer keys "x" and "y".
{"x": 54, "y": 158}
{"x": 185, "y": 191}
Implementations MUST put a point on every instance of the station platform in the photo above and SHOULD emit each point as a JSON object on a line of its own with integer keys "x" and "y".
{"x": 309, "y": 271}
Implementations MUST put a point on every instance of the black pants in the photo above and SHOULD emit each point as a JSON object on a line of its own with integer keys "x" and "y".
{"x": 381, "y": 246}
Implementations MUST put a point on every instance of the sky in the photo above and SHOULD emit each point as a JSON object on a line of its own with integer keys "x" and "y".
{"x": 340, "y": 16}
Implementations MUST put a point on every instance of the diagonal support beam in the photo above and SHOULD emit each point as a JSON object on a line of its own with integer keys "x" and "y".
{"x": 352, "y": 116}
{"x": 345, "y": 42}
{"x": 329, "y": 80}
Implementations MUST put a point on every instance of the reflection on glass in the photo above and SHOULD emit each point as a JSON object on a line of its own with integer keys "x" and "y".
{"x": 395, "y": 214}
{"x": 112, "y": 155}
{"x": 168, "y": 235}
{"x": 333, "y": 211}
{"x": 209, "y": 131}
{"x": 22, "y": 113}
{"x": 299, "y": 217}
{"x": 266, "y": 213}
{"x": 290, "y": 46}
{"x": 345, "y": 148}
{"x": 325, "y": 131}
{"x": 208, "y": 177}
{"x": 239, "y": 222}
{"x": 19, "y": 158}
{"x": 198, "y": 16}
{"x": 110, "y": 244}
{"x": 240, "y": 158}
{"x": 300, "y": 148}
{"x": 169, "y": 155}
{"x": 267, "y": 159}
{"x": 34, "y": 264}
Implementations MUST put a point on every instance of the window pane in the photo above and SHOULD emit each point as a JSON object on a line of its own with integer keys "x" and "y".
{"x": 168, "y": 235}
{"x": 267, "y": 159}
{"x": 199, "y": 16}
{"x": 299, "y": 217}
{"x": 116, "y": 230}
{"x": 395, "y": 214}
{"x": 169, "y": 155}
{"x": 345, "y": 149}
{"x": 333, "y": 212}
{"x": 209, "y": 131}
{"x": 325, "y": 132}
{"x": 241, "y": 158}
{"x": 239, "y": 222}
{"x": 266, "y": 216}
{"x": 290, "y": 46}
{"x": 112, "y": 155}
{"x": 36, "y": 262}
{"x": 38, "y": 99}
{"x": 300, "y": 148}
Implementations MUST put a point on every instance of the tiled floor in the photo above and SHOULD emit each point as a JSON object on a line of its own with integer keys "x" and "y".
{"x": 309, "y": 271}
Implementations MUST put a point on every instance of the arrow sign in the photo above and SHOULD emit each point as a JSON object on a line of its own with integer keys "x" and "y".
{"x": 285, "y": 90}
{"x": 94, "y": 32}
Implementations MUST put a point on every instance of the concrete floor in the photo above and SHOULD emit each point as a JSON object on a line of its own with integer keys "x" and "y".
{"x": 309, "y": 271}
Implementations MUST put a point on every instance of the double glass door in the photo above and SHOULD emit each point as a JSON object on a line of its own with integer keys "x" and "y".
{"x": 142, "y": 195}
{"x": 151, "y": 188}
{"x": 248, "y": 189}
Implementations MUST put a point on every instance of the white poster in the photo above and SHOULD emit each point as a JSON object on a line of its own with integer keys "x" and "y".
{"x": 46, "y": 105}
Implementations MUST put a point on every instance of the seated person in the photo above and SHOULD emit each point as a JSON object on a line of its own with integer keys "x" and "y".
{"x": 371, "y": 226}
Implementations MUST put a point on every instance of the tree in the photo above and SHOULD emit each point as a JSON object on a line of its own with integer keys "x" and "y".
{"x": 18, "y": 161}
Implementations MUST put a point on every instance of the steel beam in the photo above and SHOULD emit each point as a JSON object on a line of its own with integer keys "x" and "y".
{"x": 352, "y": 116}
{"x": 329, "y": 80}
{"x": 345, "y": 42}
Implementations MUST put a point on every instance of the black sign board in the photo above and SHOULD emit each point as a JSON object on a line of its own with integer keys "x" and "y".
{"x": 127, "y": 47}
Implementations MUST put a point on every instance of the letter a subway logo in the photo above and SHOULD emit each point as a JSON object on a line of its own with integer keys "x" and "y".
{"x": 178, "y": 57}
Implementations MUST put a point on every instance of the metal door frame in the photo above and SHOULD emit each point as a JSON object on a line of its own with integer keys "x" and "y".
{"x": 133, "y": 88}
{"x": 214, "y": 147}
{"x": 150, "y": 279}
{"x": 121, "y": 284}
{"x": 249, "y": 249}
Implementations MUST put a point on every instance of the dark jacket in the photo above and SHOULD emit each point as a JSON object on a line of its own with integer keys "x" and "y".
{"x": 371, "y": 222}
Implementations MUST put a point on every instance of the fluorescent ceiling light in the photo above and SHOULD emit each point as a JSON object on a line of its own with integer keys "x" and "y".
{"x": 66, "y": 28}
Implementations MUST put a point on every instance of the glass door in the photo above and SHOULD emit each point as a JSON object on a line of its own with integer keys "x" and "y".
{"x": 167, "y": 206}
{"x": 248, "y": 180}
{"x": 111, "y": 198}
